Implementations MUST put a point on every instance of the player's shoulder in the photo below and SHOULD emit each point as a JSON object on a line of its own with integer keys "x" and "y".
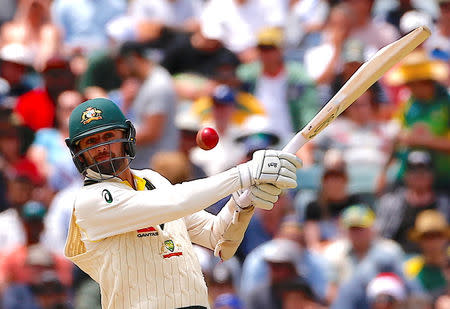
{"x": 152, "y": 176}
{"x": 93, "y": 191}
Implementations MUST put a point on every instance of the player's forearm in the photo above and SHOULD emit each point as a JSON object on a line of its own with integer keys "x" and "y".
{"x": 131, "y": 210}
{"x": 222, "y": 233}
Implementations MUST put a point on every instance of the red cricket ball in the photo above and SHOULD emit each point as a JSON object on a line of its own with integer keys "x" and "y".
{"x": 207, "y": 138}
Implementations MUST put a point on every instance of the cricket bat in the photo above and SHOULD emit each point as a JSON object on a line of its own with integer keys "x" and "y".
{"x": 361, "y": 80}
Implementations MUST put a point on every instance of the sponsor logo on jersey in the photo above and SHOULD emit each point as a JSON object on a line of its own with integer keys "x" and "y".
{"x": 169, "y": 249}
{"x": 148, "y": 231}
{"x": 91, "y": 114}
{"x": 107, "y": 196}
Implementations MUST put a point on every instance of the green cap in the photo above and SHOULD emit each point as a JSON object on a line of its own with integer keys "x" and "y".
{"x": 95, "y": 116}
{"x": 33, "y": 210}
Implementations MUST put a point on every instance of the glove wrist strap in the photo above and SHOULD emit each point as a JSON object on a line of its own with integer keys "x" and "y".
{"x": 245, "y": 175}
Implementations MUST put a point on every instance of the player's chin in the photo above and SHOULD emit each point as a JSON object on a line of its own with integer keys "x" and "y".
{"x": 110, "y": 167}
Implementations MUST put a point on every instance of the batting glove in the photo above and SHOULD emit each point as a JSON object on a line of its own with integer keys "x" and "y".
{"x": 270, "y": 166}
{"x": 261, "y": 196}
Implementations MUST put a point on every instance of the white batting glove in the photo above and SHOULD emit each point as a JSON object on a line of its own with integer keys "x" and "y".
{"x": 261, "y": 196}
{"x": 270, "y": 166}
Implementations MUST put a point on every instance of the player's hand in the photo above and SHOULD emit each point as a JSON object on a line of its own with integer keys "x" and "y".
{"x": 261, "y": 196}
{"x": 270, "y": 166}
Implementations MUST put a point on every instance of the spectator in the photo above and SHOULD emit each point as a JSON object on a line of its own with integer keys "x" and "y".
{"x": 257, "y": 135}
{"x": 394, "y": 15}
{"x": 58, "y": 217}
{"x": 324, "y": 61}
{"x": 397, "y": 210}
{"x": 227, "y": 301}
{"x": 171, "y": 165}
{"x": 284, "y": 88}
{"x": 193, "y": 59}
{"x": 224, "y": 74}
{"x": 386, "y": 291}
{"x": 154, "y": 107}
{"x": 13, "y": 146}
{"x": 149, "y": 18}
{"x": 32, "y": 27}
{"x": 101, "y": 74}
{"x": 19, "y": 191}
{"x": 288, "y": 243}
{"x": 304, "y": 18}
{"x": 37, "y": 107}
{"x": 221, "y": 110}
{"x": 360, "y": 250}
{"x": 321, "y": 215}
{"x": 297, "y": 293}
{"x": 362, "y": 138}
{"x": 199, "y": 52}
{"x": 222, "y": 277}
{"x": 46, "y": 292}
{"x": 188, "y": 124}
{"x": 439, "y": 42}
{"x": 443, "y": 302}
{"x": 15, "y": 168}
{"x": 241, "y": 20}
{"x": 87, "y": 296}
{"x": 374, "y": 33}
{"x": 222, "y": 288}
{"x": 354, "y": 54}
{"x": 264, "y": 226}
{"x": 281, "y": 256}
{"x": 21, "y": 264}
{"x": 432, "y": 233}
{"x": 84, "y": 22}
{"x": 414, "y": 19}
{"x": 423, "y": 118}
{"x": 49, "y": 151}
{"x": 15, "y": 59}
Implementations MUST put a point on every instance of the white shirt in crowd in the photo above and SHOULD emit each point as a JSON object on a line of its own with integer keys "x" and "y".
{"x": 272, "y": 93}
{"x": 170, "y": 13}
{"x": 239, "y": 24}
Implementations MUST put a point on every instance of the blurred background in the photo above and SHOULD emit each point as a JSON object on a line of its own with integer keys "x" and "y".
{"x": 367, "y": 226}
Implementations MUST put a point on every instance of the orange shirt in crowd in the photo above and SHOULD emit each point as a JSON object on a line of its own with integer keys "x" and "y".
{"x": 15, "y": 269}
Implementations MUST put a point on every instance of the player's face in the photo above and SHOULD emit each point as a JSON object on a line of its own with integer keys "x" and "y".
{"x": 101, "y": 156}
{"x": 422, "y": 89}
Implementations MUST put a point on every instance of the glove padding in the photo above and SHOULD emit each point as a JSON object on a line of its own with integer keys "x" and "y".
{"x": 261, "y": 196}
{"x": 270, "y": 166}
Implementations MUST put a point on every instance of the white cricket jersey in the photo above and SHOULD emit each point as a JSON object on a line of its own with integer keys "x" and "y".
{"x": 117, "y": 237}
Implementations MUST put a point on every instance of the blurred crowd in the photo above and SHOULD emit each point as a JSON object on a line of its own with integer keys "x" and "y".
{"x": 368, "y": 225}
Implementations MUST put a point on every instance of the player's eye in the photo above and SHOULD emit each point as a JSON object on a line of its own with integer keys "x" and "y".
{"x": 91, "y": 141}
{"x": 108, "y": 136}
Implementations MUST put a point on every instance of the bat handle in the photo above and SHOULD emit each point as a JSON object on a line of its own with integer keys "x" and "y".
{"x": 295, "y": 143}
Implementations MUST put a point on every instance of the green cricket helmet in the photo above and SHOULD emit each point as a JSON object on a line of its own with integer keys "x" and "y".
{"x": 96, "y": 116}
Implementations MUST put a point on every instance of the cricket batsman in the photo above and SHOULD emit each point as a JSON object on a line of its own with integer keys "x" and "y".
{"x": 132, "y": 230}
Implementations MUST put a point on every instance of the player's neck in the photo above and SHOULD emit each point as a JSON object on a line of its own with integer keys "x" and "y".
{"x": 128, "y": 176}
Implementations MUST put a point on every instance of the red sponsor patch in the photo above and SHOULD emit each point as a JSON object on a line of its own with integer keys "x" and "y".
{"x": 147, "y": 229}
{"x": 172, "y": 254}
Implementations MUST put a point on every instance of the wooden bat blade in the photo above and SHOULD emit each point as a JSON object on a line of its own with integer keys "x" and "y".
{"x": 364, "y": 77}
